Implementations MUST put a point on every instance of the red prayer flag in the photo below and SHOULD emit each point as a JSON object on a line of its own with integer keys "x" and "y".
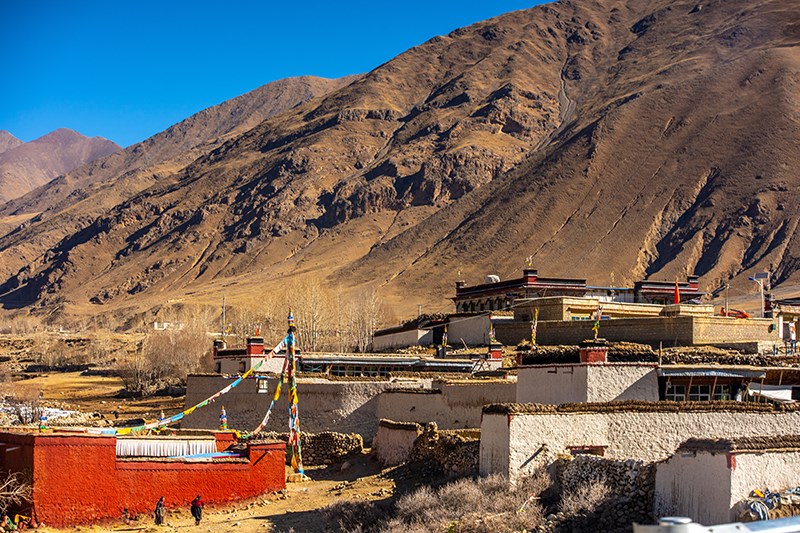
{"x": 677, "y": 294}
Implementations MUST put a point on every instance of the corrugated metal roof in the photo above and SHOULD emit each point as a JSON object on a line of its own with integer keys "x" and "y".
{"x": 711, "y": 373}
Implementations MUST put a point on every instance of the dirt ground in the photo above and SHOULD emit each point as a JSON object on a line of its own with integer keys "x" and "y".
{"x": 298, "y": 508}
{"x": 90, "y": 394}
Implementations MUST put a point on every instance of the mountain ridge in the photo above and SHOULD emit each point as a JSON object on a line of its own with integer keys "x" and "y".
{"x": 25, "y": 166}
{"x": 606, "y": 141}
{"x": 70, "y": 202}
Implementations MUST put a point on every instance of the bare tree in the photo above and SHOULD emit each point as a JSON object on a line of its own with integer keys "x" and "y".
{"x": 14, "y": 490}
{"x": 167, "y": 357}
{"x": 364, "y": 315}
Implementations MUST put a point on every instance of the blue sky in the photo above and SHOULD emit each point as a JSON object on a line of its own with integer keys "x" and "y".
{"x": 127, "y": 70}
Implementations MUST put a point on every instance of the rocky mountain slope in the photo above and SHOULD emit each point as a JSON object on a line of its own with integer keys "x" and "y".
{"x": 25, "y": 166}
{"x": 650, "y": 138}
{"x": 32, "y": 224}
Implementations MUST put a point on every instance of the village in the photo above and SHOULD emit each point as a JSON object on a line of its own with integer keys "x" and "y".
{"x": 671, "y": 404}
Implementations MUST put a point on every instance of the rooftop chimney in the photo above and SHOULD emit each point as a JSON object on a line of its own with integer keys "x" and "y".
{"x": 594, "y": 352}
{"x": 255, "y": 345}
{"x": 219, "y": 344}
{"x": 530, "y": 274}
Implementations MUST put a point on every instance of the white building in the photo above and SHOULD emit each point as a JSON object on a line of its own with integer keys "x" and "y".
{"x": 711, "y": 480}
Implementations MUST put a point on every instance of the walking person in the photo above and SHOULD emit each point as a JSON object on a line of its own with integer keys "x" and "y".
{"x": 160, "y": 511}
{"x": 197, "y": 510}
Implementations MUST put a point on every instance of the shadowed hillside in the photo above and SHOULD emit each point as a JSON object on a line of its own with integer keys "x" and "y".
{"x": 70, "y": 202}
{"x": 653, "y": 138}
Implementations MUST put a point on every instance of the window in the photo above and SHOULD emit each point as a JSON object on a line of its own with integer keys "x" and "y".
{"x": 241, "y": 366}
{"x": 587, "y": 450}
{"x": 699, "y": 393}
{"x": 722, "y": 392}
{"x": 218, "y": 368}
{"x": 676, "y": 393}
{"x": 263, "y": 386}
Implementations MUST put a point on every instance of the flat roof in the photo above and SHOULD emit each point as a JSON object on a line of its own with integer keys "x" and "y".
{"x": 759, "y": 444}
{"x": 635, "y": 406}
{"x": 721, "y": 371}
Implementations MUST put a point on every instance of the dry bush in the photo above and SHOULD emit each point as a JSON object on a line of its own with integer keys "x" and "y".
{"x": 326, "y": 318}
{"x": 26, "y": 405}
{"x": 355, "y": 516}
{"x": 586, "y": 499}
{"x": 482, "y": 505}
{"x": 22, "y": 325}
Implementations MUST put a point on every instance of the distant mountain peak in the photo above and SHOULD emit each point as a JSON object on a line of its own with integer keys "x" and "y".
{"x": 8, "y": 141}
{"x": 25, "y": 166}
{"x": 61, "y": 135}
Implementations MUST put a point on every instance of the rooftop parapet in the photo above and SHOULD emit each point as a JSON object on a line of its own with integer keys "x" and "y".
{"x": 636, "y": 406}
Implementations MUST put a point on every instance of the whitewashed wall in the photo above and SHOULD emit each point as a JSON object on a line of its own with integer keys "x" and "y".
{"x": 703, "y": 486}
{"x": 535, "y": 439}
{"x": 594, "y": 382}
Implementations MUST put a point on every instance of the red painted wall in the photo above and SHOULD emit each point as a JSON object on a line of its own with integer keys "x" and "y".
{"x": 78, "y": 479}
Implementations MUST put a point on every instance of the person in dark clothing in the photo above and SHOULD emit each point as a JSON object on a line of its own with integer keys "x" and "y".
{"x": 197, "y": 510}
{"x": 160, "y": 511}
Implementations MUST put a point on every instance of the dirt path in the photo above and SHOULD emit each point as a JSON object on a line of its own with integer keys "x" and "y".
{"x": 298, "y": 508}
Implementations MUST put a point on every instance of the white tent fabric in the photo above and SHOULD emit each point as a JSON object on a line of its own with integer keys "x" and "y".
{"x": 163, "y": 446}
{"x": 778, "y": 393}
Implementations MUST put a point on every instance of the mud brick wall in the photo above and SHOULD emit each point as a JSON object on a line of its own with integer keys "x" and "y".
{"x": 455, "y": 452}
{"x": 452, "y": 405}
{"x": 525, "y": 436}
{"x": 344, "y": 406}
{"x": 394, "y": 441}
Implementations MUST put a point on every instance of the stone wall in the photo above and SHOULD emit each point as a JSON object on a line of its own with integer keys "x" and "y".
{"x": 593, "y": 382}
{"x": 631, "y": 486}
{"x": 452, "y": 452}
{"x": 323, "y": 448}
{"x": 518, "y": 438}
{"x": 669, "y": 331}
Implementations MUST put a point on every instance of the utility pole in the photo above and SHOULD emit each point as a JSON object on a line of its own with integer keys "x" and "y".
{"x": 222, "y": 331}
{"x": 727, "y": 309}
{"x": 758, "y": 278}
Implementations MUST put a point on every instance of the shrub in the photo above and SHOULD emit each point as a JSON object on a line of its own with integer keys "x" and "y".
{"x": 166, "y": 358}
{"x": 585, "y": 500}
{"x": 483, "y": 505}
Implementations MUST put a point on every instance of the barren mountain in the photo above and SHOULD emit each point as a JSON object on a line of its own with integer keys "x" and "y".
{"x": 28, "y": 165}
{"x": 651, "y": 138}
{"x": 8, "y": 141}
{"x": 70, "y": 202}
